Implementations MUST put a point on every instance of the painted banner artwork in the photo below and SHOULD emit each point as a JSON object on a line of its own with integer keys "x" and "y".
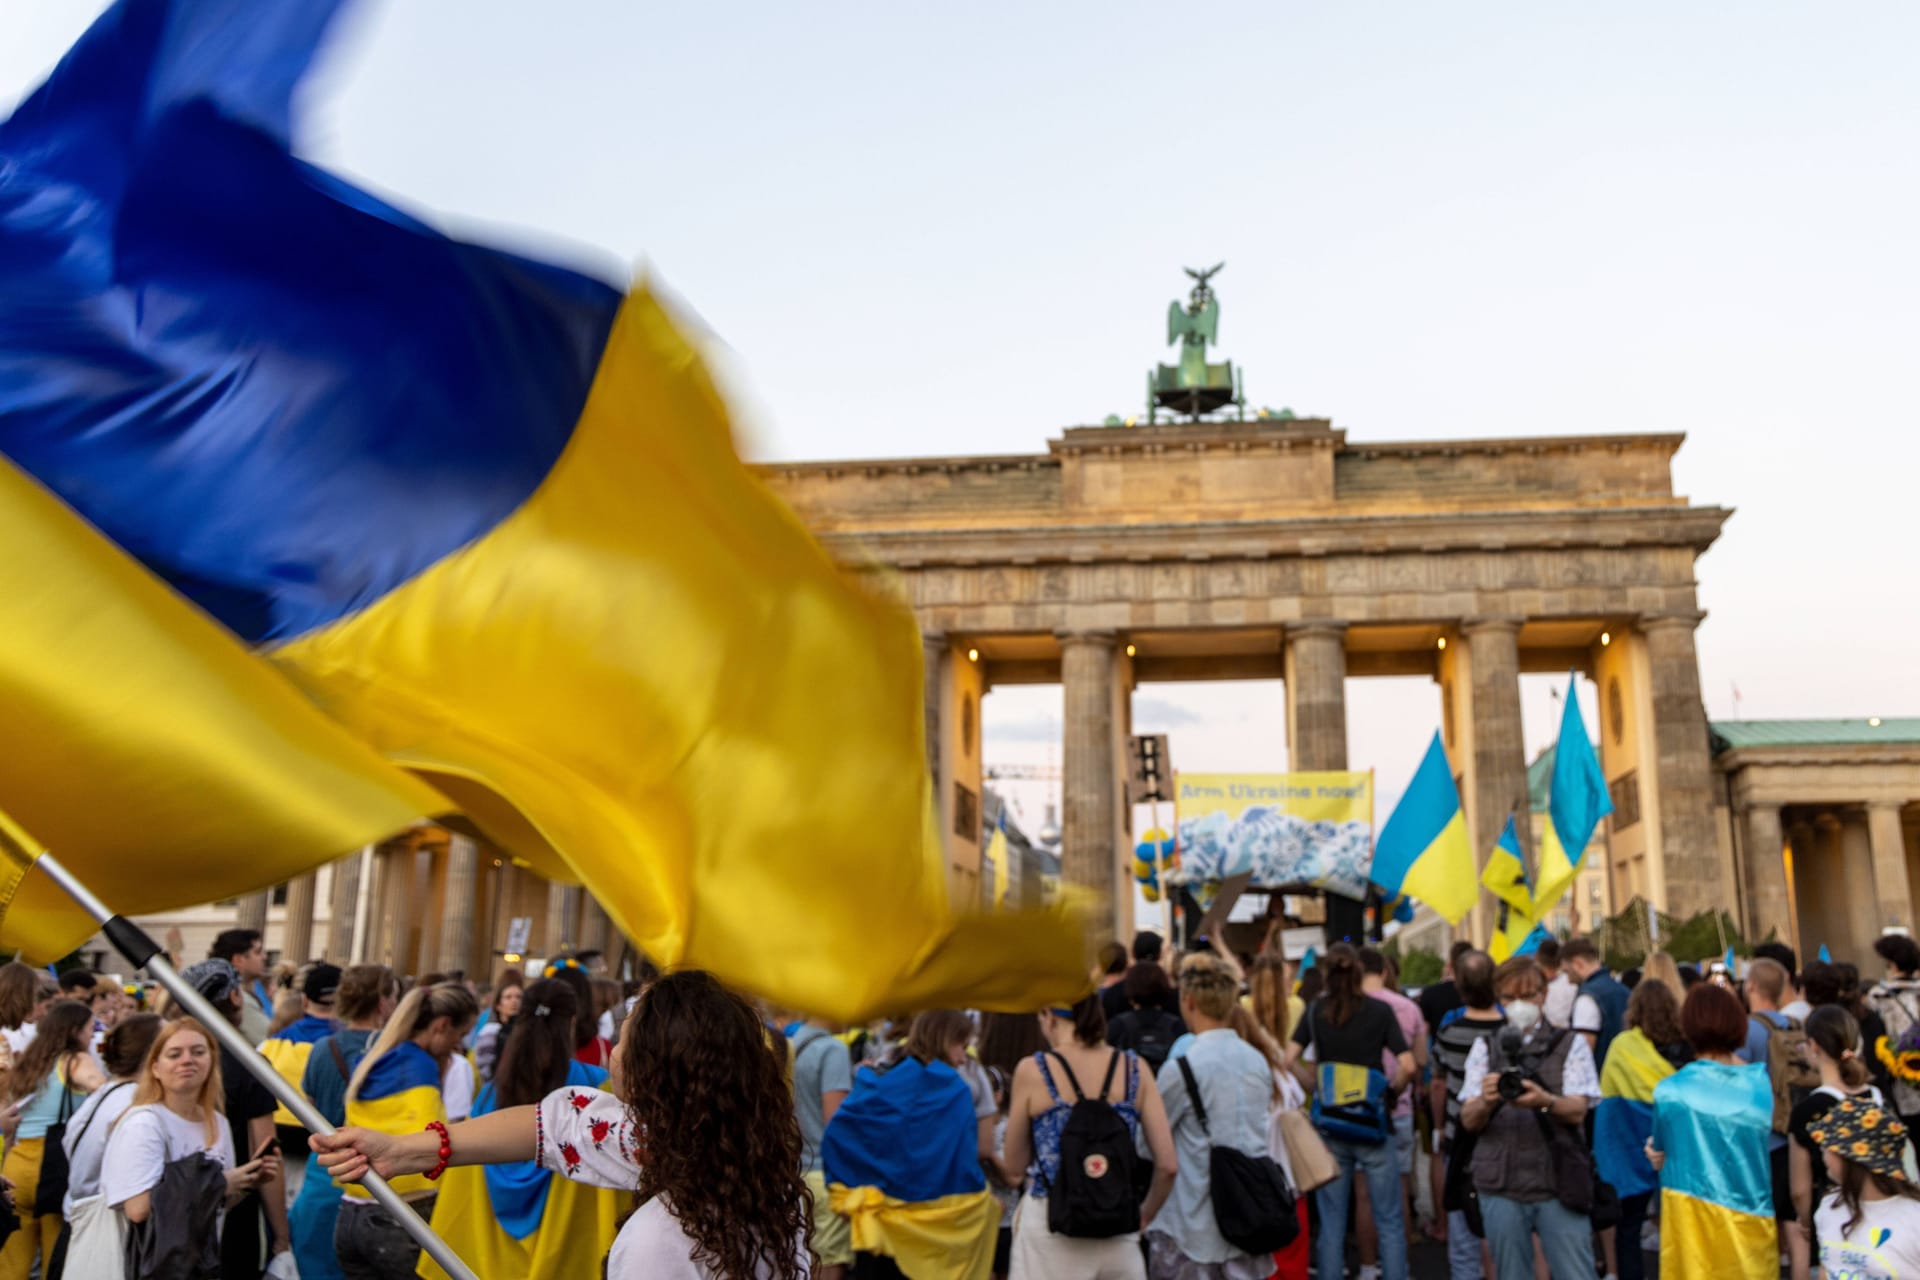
{"x": 1283, "y": 828}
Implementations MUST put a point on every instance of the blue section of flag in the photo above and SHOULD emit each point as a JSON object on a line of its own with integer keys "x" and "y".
{"x": 281, "y": 394}
{"x": 1826, "y": 957}
{"x": 1309, "y": 960}
{"x": 1532, "y": 942}
{"x": 881, "y": 1135}
{"x": 1428, "y": 805}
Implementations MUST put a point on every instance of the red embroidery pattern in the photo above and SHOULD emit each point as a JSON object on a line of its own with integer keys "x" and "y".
{"x": 570, "y": 1155}
{"x": 599, "y": 1130}
{"x": 580, "y": 1101}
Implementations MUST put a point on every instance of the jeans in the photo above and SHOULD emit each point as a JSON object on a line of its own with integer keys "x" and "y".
{"x": 1566, "y": 1238}
{"x": 374, "y": 1245}
{"x": 1463, "y": 1249}
{"x": 1633, "y": 1216}
{"x": 1381, "y": 1166}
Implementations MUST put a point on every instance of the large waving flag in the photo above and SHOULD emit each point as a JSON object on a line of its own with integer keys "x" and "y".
{"x": 1423, "y": 851}
{"x": 1506, "y": 878}
{"x": 484, "y": 511}
{"x": 162, "y": 762}
{"x": 1576, "y": 801}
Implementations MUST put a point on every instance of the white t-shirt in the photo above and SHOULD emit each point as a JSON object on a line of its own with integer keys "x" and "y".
{"x": 86, "y": 1140}
{"x": 1884, "y": 1245}
{"x": 150, "y": 1138}
{"x": 1558, "y": 1009}
{"x": 456, "y": 1088}
{"x": 1799, "y": 1010}
{"x": 587, "y": 1135}
{"x": 19, "y": 1037}
{"x": 1586, "y": 1014}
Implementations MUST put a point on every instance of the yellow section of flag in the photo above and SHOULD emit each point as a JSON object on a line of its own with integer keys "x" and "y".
{"x": 652, "y": 679}
{"x": 164, "y": 763}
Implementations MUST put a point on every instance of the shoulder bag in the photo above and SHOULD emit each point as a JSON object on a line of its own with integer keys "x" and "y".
{"x": 1252, "y": 1203}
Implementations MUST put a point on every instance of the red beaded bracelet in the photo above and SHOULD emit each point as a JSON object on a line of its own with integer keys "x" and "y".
{"x": 446, "y": 1150}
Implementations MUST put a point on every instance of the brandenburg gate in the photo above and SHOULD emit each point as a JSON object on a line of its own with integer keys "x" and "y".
{"x": 1269, "y": 549}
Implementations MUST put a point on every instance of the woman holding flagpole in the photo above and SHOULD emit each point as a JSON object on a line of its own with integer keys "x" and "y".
{"x": 699, "y": 1124}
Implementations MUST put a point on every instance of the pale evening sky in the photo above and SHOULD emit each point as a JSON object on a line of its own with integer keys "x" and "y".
{"x": 951, "y": 229}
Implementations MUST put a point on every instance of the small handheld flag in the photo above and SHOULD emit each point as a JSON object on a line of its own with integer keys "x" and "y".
{"x": 1826, "y": 957}
{"x": 1576, "y": 801}
{"x": 1506, "y": 875}
{"x": 1424, "y": 851}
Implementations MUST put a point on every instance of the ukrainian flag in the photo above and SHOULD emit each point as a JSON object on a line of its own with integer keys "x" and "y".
{"x": 1576, "y": 801}
{"x": 902, "y": 1165}
{"x": 997, "y": 858}
{"x": 1424, "y": 852}
{"x": 288, "y": 1052}
{"x": 483, "y": 511}
{"x": 401, "y": 1094}
{"x": 1714, "y": 1124}
{"x": 1505, "y": 876}
{"x": 1623, "y": 1122}
{"x": 518, "y": 1221}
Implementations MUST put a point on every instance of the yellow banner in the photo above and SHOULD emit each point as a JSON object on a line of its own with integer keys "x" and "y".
{"x": 1283, "y": 828}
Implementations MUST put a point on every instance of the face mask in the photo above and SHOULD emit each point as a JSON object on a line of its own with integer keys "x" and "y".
{"x": 1523, "y": 1014}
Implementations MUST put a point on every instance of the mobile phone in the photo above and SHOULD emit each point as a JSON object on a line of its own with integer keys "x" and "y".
{"x": 270, "y": 1144}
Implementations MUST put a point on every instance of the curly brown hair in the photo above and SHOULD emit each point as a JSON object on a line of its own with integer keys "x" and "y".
{"x": 706, "y": 1086}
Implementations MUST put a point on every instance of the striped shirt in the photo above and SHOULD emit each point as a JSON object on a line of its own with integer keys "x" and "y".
{"x": 1451, "y": 1045}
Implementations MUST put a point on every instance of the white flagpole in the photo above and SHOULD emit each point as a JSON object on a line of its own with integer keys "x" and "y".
{"x": 141, "y": 951}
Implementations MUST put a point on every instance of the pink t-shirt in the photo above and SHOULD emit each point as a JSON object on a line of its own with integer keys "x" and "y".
{"x": 1413, "y": 1025}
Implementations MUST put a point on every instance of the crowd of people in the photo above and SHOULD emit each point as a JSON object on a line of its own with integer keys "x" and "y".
{"x": 1199, "y": 1115}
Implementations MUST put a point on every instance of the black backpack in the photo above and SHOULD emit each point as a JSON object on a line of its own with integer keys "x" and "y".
{"x": 1149, "y": 1033}
{"x": 1252, "y": 1204}
{"x": 1092, "y": 1196}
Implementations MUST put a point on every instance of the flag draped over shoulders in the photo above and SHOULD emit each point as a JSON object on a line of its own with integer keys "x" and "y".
{"x": 483, "y": 511}
{"x": 1713, "y": 1122}
{"x": 1624, "y": 1119}
{"x": 518, "y": 1219}
{"x": 902, "y": 1164}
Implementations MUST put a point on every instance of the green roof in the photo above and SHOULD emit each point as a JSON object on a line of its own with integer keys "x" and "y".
{"x": 1540, "y": 777}
{"x": 1814, "y": 733}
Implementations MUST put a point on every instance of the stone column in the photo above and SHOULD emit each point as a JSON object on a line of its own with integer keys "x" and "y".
{"x": 1890, "y": 884}
{"x": 456, "y": 921}
{"x": 396, "y": 908}
{"x": 595, "y": 928}
{"x": 251, "y": 913}
{"x": 1864, "y": 921}
{"x": 1768, "y": 899}
{"x": 560, "y": 901}
{"x": 296, "y": 943}
{"x": 346, "y": 908}
{"x": 1683, "y": 758}
{"x": 933, "y": 648}
{"x": 1091, "y": 772}
{"x": 1499, "y": 746}
{"x": 1316, "y": 675}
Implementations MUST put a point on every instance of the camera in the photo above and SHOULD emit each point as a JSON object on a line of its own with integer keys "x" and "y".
{"x": 1525, "y": 1069}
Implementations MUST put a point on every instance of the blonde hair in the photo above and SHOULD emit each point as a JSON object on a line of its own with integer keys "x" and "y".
{"x": 449, "y": 1000}
{"x": 1207, "y": 981}
{"x": 1270, "y": 982}
{"x": 1660, "y": 965}
{"x": 212, "y": 1099}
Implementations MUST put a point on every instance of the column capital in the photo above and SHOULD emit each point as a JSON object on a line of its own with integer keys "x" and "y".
{"x": 1315, "y": 627}
{"x": 1491, "y": 624}
{"x": 1687, "y": 618}
{"x": 932, "y": 635}
{"x": 1886, "y": 806}
{"x": 1101, "y": 639}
